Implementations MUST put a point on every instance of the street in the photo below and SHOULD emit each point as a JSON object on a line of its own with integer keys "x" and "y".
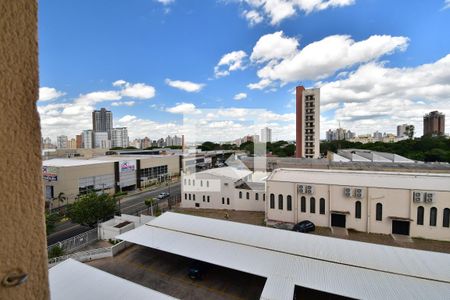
{"x": 128, "y": 205}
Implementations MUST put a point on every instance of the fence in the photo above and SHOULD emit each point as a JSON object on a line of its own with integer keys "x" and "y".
{"x": 91, "y": 254}
{"x": 76, "y": 242}
{"x": 163, "y": 206}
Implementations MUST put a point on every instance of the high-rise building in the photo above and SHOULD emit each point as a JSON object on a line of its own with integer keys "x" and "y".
{"x": 120, "y": 137}
{"x": 378, "y": 136}
{"x": 79, "y": 141}
{"x": 266, "y": 135}
{"x": 62, "y": 142}
{"x": 402, "y": 130}
{"x": 307, "y": 122}
{"x": 87, "y": 137}
{"x": 146, "y": 143}
{"x": 101, "y": 140}
{"x": 339, "y": 134}
{"x": 434, "y": 123}
{"x": 102, "y": 121}
{"x": 72, "y": 144}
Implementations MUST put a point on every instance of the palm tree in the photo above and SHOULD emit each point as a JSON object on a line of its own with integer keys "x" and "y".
{"x": 150, "y": 202}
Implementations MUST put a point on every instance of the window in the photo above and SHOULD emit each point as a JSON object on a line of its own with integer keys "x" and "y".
{"x": 256, "y": 196}
{"x": 280, "y": 202}
{"x": 303, "y": 204}
{"x": 207, "y": 198}
{"x": 420, "y": 213}
{"x": 248, "y": 195}
{"x": 201, "y": 182}
{"x": 189, "y": 196}
{"x": 185, "y": 196}
{"x": 272, "y": 201}
{"x": 264, "y": 197}
{"x": 203, "y": 198}
{"x": 193, "y": 182}
{"x": 312, "y": 205}
{"x": 228, "y": 201}
{"x": 240, "y": 195}
{"x": 433, "y": 216}
{"x": 358, "y": 210}
{"x": 189, "y": 182}
{"x": 223, "y": 200}
{"x": 446, "y": 219}
{"x": 289, "y": 202}
{"x": 193, "y": 197}
{"x": 322, "y": 206}
{"x": 379, "y": 212}
{"x": 207, "y": 183}
{"x": 185, "y": 181}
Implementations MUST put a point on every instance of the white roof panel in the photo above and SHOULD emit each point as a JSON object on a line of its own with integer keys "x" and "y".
{"x": 396, "y": 180}
{"x": 73, "y": 280}
{"x": 71, "y": 162}
{"x": 341, "y": 267}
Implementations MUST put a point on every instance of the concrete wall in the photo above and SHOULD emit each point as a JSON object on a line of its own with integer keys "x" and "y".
{"x": 23, "y": 244}
{"x": 172, "y": 162}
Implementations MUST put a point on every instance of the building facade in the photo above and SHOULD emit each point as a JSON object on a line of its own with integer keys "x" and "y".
{"x": 87, "y": 138}
{"x": 120, "y": 137}
{"x": 266, "y": 135}
{"x": 339, "y": 134}
{"x": 307, "y": 122}
{"x": 413, "y": 204}
{"x": 79, "y": 141}
{"x": 102, "y": 121}
{"x": 434, "y": 123}
{"x": 101, "y": 140}
{"x": 62, "y": 142}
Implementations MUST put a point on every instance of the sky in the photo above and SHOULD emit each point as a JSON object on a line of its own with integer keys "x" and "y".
{"x": 220, "y": 69}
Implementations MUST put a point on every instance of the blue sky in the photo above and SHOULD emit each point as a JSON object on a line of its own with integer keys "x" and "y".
{"x": 154, "y": 62}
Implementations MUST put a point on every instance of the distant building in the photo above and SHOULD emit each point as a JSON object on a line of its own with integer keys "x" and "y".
{"x": 146, "y": 143}
{"x": 72, "y": 144}
{"x": 378, "y": 136}
{"x": 101, "y": 140}
{"x": 62, "y": 142}
{"x": 266, "y": 135}
{"x": 307, "y": 122}
{"x": 173, "y": 141}
{"x": 47, "y": 143}
{"x": 87, "y": 137}
{"x": 120, "y": 137}
{"x": 402, "y": 130}
{"x": 339, "y": 134}
{"x": 79, "y": 141}
{"x": 434, "y": 123}
{"x": 102, "y": 121}
{"x": 136, "y": 143}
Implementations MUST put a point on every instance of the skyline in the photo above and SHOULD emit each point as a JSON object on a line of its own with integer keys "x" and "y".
{"x": 388, "y": 71}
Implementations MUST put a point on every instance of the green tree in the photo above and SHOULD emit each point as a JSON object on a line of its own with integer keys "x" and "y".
{"x": 56, "y": 251}
{"x": 50, "y": 221}
{"x": 410, "y": 131}
{"x": 92, "y": 208}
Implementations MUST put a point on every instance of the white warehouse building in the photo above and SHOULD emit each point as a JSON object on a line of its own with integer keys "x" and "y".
{"x": 224, "y": 188}
{"x": 413, "y": 204}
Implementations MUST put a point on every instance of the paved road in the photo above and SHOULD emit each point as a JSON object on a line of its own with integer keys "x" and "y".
{"x": 128, "y": 205}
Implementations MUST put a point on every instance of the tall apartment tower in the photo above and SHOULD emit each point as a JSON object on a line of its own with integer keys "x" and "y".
{"x": 266, "y": 135}
{"x": 307, "y": 122}
{"x": 434, "y": 123}
{"x": 120, "y": 137}
{"x": 102, "y": 121}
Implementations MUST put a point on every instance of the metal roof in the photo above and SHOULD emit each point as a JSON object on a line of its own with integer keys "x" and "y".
{"x": 415, "y": 181}
{"x": 285, "y": 258}
{"x": 73, "y": 280}
{"x": 68, "y": 162}
{"x": 228, "y": 172}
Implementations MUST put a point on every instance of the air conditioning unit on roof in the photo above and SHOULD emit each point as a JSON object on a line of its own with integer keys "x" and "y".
{"x": 429, "y": 197}
{"x": 347, "y": 192}
{"x": 417, "y": 197}
{"x": 358, "y": 193}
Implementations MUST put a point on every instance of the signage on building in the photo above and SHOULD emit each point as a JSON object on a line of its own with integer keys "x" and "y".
{"x": 49, "y": 173}
{"x": 126, "y": 166}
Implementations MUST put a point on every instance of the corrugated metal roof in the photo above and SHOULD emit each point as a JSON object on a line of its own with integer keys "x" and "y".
{"x": 71, "y": 162}
{"x": 415, "y": 181}
{"x": 73, "y": 280}
{"x": 353, "y": 269}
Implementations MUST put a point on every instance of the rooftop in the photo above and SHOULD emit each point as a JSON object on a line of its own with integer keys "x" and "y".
{"x": 228, "y": 172}
{"x": 333, "y": 265}
{"x": 417, "y": 181}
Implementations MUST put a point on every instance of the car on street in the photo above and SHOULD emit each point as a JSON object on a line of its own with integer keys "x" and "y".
{"x": 163, "y": 195}
{"x": 304, "y": 226}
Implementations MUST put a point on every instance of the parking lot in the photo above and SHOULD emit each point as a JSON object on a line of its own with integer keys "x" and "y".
{"x": 168, "y": 273}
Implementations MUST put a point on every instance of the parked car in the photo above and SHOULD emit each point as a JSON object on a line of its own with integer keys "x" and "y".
{"x": 163, "y": 195}
{"x": 304, "y": 226}
{"x": 196, "y": 270}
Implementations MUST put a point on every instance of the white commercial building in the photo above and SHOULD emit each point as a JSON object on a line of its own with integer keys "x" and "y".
{"x": 289, "y": 259}
{"x": 87, "y": 137}
{"x": 101, "y": 140}
{"x": 224, "y": 188}
{"x": 266, "y": 135}
{"x": 413, "y": 204}
{"x": 120, "y": 137}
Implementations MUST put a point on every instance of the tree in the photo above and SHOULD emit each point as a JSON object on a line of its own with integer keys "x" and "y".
{"x": 409, "y": 130}
{"x": 91, "y": 208}
{"x": 150, "y": 202}
{"x": 55, "y": 251}
{"x": 50, "y": 221}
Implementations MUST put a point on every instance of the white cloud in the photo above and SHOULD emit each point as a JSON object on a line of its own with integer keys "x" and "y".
{"x": 284, "y": 62}
{"x": 187, "y": 86}
{"x": 274, "y": 46}
{"x": 253, "y": 17}
{"x": 279, "y": 10}
{"x": 262, "y": 84}
{"x": 240, "y": 96}
{"x": 376, "y": 97}
{"x": 166, "y": 2}
{"x": 123, "y": 103}
{"x": 183, "y": 108}
{"x": 119, "y": 82}
{"x": 230, "y": 62}
{"x": 446, "y": 4}
{"x": 47, "y": 94}
{"x": 138, "y": 90}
